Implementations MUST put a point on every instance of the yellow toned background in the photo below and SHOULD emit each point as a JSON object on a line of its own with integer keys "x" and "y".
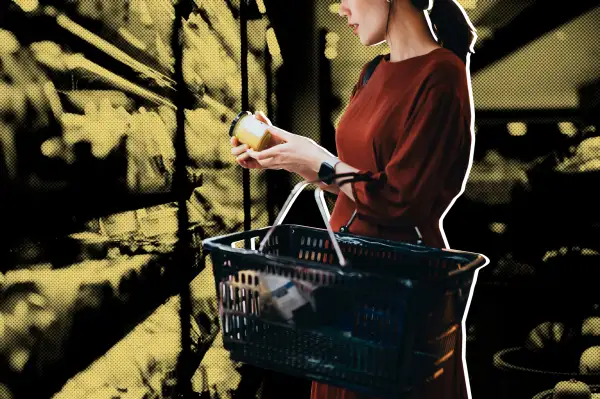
{"x": 88, "y": 309}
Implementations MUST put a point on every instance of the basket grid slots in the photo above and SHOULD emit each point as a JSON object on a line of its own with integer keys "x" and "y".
{"x": 319, "y": 249}
{"x": 388, "y": 322}
{"x": 371, "y": 356}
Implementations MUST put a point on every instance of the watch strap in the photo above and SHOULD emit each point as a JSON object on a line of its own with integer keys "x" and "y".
{"x": 330, "y": 178}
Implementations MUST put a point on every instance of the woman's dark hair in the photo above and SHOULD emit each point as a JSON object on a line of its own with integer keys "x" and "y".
{"x": 452, "y": 27}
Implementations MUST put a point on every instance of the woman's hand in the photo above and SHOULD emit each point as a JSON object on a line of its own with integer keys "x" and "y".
{"x": 241, "y": 156}
{"x": 289, "y": 151}
{"x": 239, "y": 150}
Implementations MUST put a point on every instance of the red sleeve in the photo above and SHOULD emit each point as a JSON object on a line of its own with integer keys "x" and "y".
{"x": 423, "y": 157}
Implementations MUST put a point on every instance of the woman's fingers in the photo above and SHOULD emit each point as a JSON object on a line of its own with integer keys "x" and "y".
{"x": 281, "y": 136}
{"x": 250, "y": 164}
{"x": 269, "y": 163}
{"x": 250, "y": 159}
{"x": 239, "y": 150}
{"x": 269, "y": 160}
{"x": 268, "y": 153}
{"x": 243, "y": 157}
{"x": 245, "y": 161}
{"x": 262, "y": 117}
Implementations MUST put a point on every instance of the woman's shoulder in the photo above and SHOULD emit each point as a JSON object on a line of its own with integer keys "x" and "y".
{"x": 445, "y": 71}
{"x": 445, "y": 64}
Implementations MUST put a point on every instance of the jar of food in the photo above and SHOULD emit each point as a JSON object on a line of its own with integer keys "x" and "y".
{"x": 250, "y": 131}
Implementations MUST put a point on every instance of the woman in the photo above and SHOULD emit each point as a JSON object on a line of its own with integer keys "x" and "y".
{"x": 409, "y": 129}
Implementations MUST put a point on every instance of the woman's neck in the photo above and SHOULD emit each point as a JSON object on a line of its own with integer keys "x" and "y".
{"x": 409, "y": 34}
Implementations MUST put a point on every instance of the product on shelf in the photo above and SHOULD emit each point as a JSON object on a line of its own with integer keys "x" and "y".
{"x": 5, "y": 392}
{"x": 492, "y": 179}
{"x": 29, "y": 107}
{"x": 591, "y": 327}
{"x": 50, "y": 54}
{"x": 226, "y": 28}
{"x": 549, "y": 336}
{"x": 206, "y": 138}
{"x": 144, "y": 231}
{"x": 137, "y": 29}
{"x": 86, "y": 117}
{"x": 572, "y": 389}
{"x": 590, "y": 361}
{"x": 61, "y": 63}
{"x": 220, "y": 207}
{"x": 508, "y": 267}
{"x": 144, "y": 359}
{"x": 216, "y": 372}
{"x": 79, "y": 247}
{"x": 121, "y": 226}
{"x": 137, "y": 364}
{"x": 224, "y": 25}
{"x": 586, "y": 157}
{"x": 205, "y": 58}
{"x": 24, "y": 315}
{"x": 136, "y": 147}
{"x": 49, "y": 314}
{"x": 151, "y": 148}
{"x": 77, "y": 99}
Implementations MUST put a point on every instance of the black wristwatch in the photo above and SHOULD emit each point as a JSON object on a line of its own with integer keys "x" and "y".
{"x": 327, "y": 171}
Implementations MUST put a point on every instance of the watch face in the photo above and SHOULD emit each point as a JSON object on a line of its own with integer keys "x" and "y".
{"x": 326, "y": 173}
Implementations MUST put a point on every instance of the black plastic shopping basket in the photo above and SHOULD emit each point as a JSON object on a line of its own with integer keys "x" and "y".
{"x": 384, "y": 319}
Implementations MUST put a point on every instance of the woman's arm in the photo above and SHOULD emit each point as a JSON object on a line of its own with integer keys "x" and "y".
{"x": 428, "y": 145}
{"x": 435, "y": 136}
{"x": 310, "y": 175}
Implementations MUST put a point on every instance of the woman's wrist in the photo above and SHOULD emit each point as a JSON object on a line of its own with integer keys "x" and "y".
{"x": 316, "y": 164}
{"x": 307, "y": 173}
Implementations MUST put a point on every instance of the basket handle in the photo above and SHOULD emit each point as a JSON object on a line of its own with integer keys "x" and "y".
{"x": 320, "y": 199}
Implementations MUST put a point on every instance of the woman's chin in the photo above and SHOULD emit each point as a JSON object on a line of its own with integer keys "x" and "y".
{"x": 369, "y": 42}
{"x": 364, "y": 41}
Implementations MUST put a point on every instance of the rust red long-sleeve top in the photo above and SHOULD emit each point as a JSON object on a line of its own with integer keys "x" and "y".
{"x": 410, "y": 128}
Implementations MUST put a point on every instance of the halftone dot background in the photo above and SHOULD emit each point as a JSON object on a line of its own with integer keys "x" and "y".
{"x": 529, "y": 203}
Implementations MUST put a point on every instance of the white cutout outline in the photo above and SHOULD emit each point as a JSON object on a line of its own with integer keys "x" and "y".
{"x": 465, "y": 179}
{"x": 462, "y": 190}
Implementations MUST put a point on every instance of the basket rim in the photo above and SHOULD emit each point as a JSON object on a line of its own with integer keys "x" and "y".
{"x": 478, "y": 261}
{"x": 212, "y": 241}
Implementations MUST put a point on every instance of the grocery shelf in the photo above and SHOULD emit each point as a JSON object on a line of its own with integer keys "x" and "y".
{"x": 58, "y": 321}
{"x": 56, "y": 26}
{"x": 49, "y": 203}
{"x": 138, "y": 37}
{"x": 75, "y": 306}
